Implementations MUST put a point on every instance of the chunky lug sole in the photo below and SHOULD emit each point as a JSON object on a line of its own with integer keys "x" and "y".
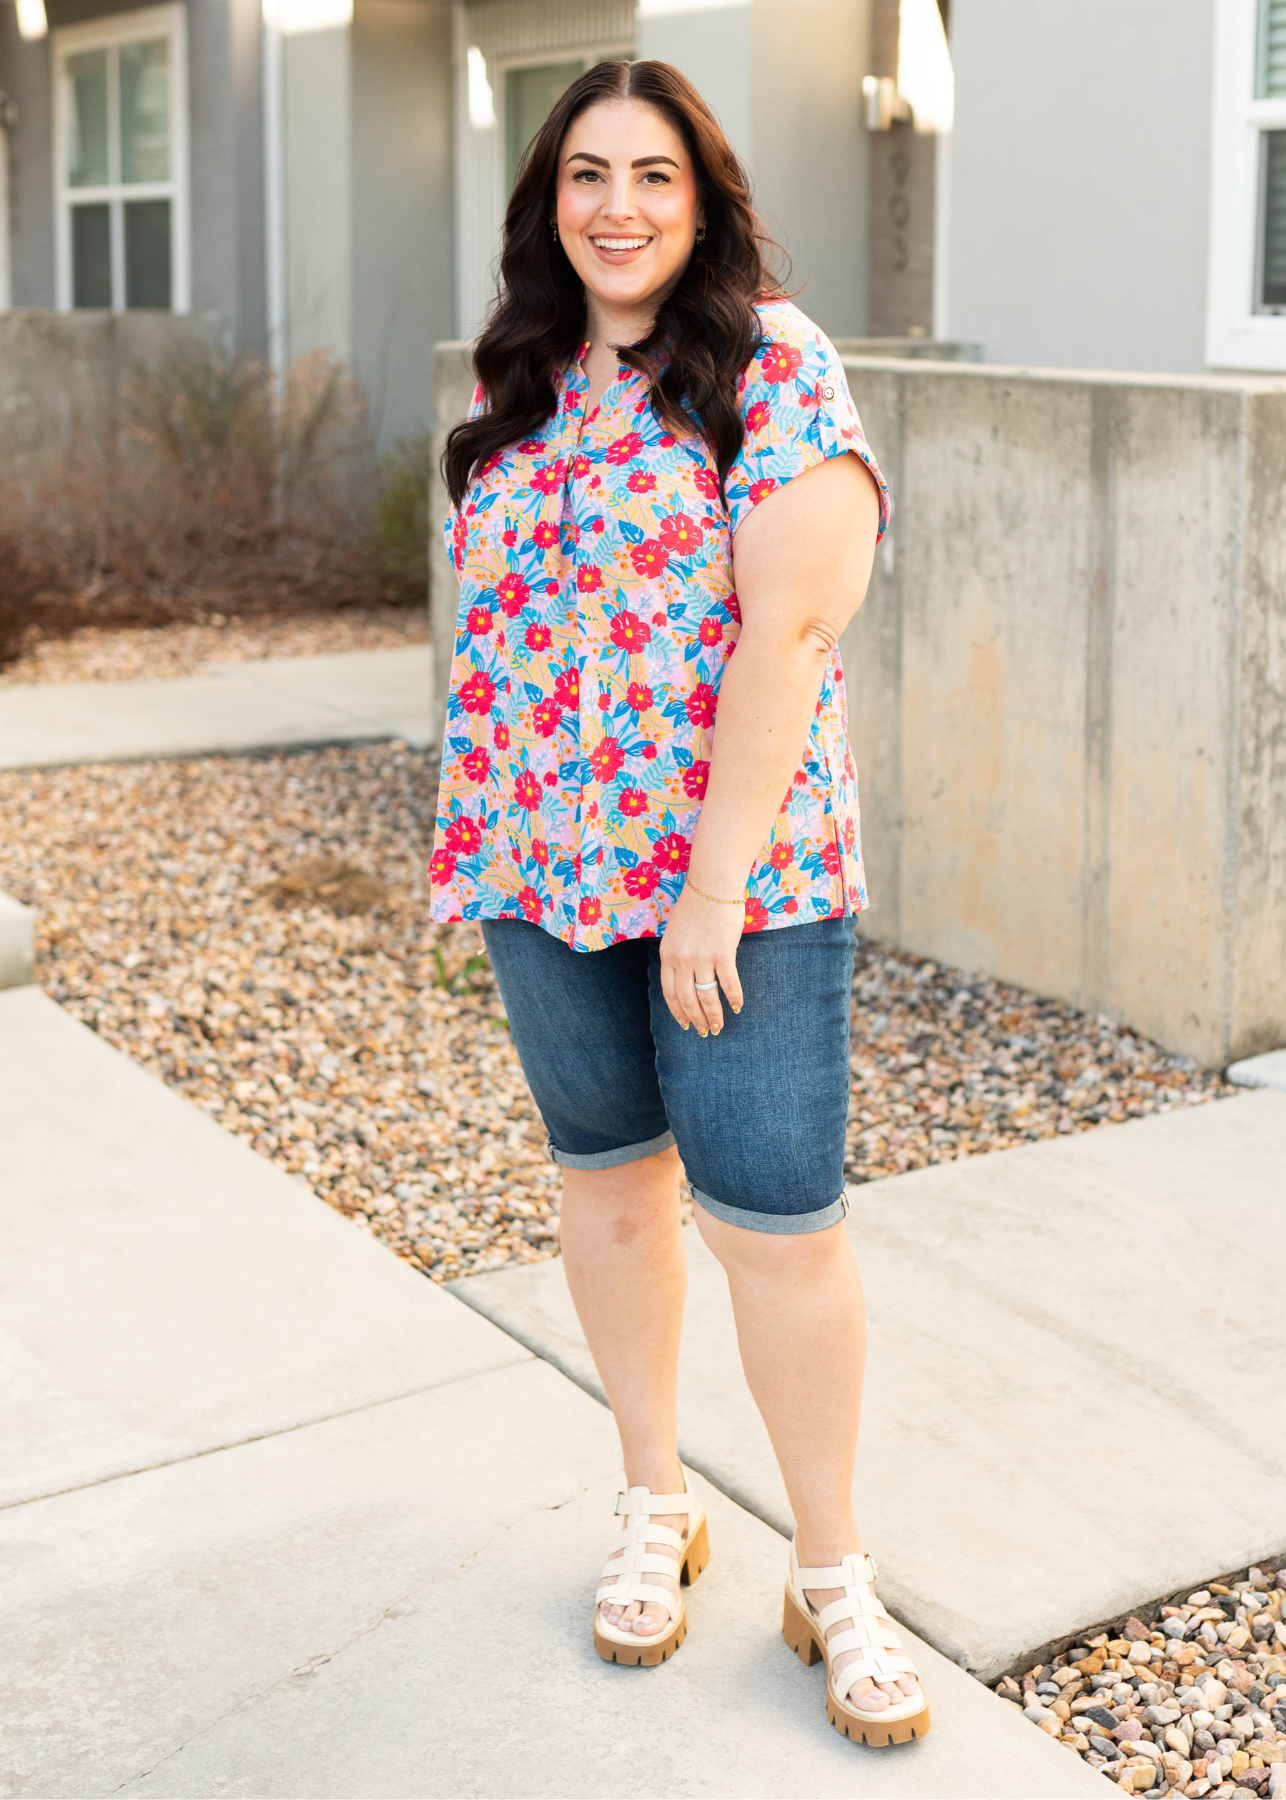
{"x": 648, "y": 1652}
{"x": 805, "y": 1639}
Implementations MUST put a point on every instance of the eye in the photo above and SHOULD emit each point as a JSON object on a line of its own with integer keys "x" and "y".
{"x": 657, "y": 178}
{"x": 585, "y": 176}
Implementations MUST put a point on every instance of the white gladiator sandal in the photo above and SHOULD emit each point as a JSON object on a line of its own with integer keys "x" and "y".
{"x": 633, "y": 1560}
{"x": 870, "y": 1631}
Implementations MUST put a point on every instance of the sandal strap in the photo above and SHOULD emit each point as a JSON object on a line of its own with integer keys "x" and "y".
{"x": 643, "y": 1500}
{"x": 861, "y": 1605}
{"x": 631, "y": 1588}
{"x": 855, "y": 1569}
{"x": 874, "y": 1668}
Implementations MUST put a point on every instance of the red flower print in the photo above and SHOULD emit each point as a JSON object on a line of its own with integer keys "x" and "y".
{"x": 638, "y": 696}
{"x": 706, "y": 483}
{"x": 641, "y": 883}
{"x": 442, "y": 867}
{"x": 500, "y": 736}
{"x": 628, "y": 632}
{"x": 599, "y": 525}
{"x": 513, "y": 594}
{"x": 531, "y": 904}
{"x": 710, "y": 630}
{"x": 641, "y": 482}
{"x": 633, "y": 803}
{"x": 550, "y": 779}
{"x": 624, "y": 450}
{"x": 539, "y": 637}
{"x": 733, "y": 605}
{"x": 488, "y": 468}
{"x": 463, "y": 837}
{"x": 604, "y": 700}
{"x": 590, "y": 910}
{"x": 545, "y": 536}
{"x": 649, "y": 557}
{"x": 670, "y": 853}
{"x": 782, "y": 854}
{"x": 540, "y": 852}
{"x": 477, "y": 691}
{"x": 681, "y": 534}
{"x": 476, "y": 765}
{"x": 756, "y": 916}
{"x": 509, "y": 538}
{"x": 758, "y": 416}
{"x": 606, "y": 758}
{"x": 551, "y": 587}
{"x": 850, "y": 834}
{"x": 527, "y": 790}
{"x": 459, "y": 539}
{"x": 547, "y": 478}
{"x": 647, "y": 752}
{"x": 567, "y": 689}
{"x": 781, "y": 362}
{"x": 532, "y": 446}
{"x": 701, "y": 703}
{"x": 589, "y": 578}
{"x": 760, "y": 490}
{"x": 479, "y": 621}
{"x": 581, "y": 468}
{"x": 830, "y": 857}
{"x": 790, "y": 905}
{"x": 695, "y": 779}
{"x": 546, "y": 716}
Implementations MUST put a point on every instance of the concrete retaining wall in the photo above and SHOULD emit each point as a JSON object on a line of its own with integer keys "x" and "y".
{"x": 1067, "y": 687}
{"x": 63, "y": 372}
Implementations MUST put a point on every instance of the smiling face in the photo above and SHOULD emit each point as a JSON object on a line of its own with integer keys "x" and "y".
{"x": 627, "y": 204}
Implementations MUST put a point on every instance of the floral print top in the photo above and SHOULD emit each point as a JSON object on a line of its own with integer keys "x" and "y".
{"x": 597, "y": 613}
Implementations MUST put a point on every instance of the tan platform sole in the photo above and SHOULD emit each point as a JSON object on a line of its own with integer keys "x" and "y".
{"x": 805, "y": 1639}
{"x": 651, "y": 1651}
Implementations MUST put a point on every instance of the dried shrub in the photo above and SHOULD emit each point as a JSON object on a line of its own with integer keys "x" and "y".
{"x": 21, "y": 580}
{"x": 221, "y": 487}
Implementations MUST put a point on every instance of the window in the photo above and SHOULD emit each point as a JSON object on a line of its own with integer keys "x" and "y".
{"x": 121, "y": 149}
{"x": 529, "y": 97}
{"x": 1246, "y": 308}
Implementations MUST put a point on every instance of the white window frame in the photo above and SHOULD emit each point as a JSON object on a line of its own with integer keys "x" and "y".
{"x": 110, "y": 33}
{"x": 1238, "y": 337}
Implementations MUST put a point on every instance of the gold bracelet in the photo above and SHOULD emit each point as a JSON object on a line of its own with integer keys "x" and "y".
{"x": 688, "y": 882}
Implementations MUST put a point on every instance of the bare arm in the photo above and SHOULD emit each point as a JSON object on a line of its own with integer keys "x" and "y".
{"x": 801, "y": 561}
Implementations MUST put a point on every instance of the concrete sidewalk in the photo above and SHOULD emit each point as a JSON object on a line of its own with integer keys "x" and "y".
{"x": 357, "y": 696}
{"x": 285, "y": 1519}
{"x": 1071, "y": 1402}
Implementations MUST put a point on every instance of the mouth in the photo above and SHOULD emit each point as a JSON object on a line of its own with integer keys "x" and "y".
{"x": 619, "y": 249}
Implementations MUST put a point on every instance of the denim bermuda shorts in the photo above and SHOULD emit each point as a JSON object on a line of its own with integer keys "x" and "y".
{"x": 758, "y": 1113}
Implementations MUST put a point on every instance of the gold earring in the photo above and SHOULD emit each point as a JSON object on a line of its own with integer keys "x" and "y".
{"x": 701, "y": 235}
{"x": 554, "y": 223}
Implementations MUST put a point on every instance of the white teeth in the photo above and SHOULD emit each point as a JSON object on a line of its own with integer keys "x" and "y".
{"x": 620, "y": 243}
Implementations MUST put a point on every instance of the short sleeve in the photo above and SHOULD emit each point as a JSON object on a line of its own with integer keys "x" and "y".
{"x": 798, "y": 412}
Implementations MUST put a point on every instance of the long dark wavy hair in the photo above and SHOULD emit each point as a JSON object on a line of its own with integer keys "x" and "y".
{"x": 706, "y": 330}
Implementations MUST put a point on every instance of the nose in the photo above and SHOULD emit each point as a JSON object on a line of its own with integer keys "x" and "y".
{"x": 619, "y": 201}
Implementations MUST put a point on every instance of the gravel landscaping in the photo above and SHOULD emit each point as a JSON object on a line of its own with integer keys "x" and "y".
{"x": 253, "y": 930}
{"x": 158, "y": 653}
{"x": 1189, "y": 1697}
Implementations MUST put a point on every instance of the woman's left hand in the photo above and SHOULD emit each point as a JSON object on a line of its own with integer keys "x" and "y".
{"x": 699, "y": 944}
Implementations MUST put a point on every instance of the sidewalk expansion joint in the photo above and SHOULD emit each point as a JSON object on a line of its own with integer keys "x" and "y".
{"x": 256, "y": 1437}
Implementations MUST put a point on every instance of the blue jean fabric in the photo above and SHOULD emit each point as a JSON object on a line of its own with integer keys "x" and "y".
{"x": 758, "y": 1113}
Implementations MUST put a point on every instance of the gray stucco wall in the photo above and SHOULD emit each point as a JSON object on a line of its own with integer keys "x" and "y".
{"x": 226, "y": 110}
{"x": 712, "y": 45}
{"x": 1080, "y": 181}
{"x": 402, "y": 239}
{"x": 24, "y": 76}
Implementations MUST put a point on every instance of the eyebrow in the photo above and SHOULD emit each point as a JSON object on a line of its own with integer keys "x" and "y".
{"x": 640, "y": 162}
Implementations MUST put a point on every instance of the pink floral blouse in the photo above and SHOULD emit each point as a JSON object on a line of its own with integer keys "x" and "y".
{"x": 596, "y": 615}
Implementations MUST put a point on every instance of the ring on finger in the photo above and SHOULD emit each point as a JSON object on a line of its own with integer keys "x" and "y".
{"x": 703, "y": 987}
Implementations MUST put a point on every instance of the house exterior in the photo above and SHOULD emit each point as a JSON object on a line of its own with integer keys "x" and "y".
{"x": 331, "y": 174}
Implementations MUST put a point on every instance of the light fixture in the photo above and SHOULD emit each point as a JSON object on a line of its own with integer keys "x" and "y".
{"x": 885, "y": 107}
{"x": 295, "y": 17}
{"x": 32, "y": 20}
{"x": 925, "y": 75}
{"x": 482, "y": 105}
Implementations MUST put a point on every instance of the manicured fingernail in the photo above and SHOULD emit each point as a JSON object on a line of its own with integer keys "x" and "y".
{"x": 685, "y": 1027}
{"x": 736, "y": 1009}
{"x": 705, "y": 1034}
{"x": 715, "y": 1030}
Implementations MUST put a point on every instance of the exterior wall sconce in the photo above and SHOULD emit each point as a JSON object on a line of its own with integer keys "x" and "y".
{"x": 885, "y": 106}
{"x": 32, "y": 20}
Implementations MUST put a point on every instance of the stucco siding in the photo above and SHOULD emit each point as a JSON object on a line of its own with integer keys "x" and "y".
{"x": 1080, "y": 175}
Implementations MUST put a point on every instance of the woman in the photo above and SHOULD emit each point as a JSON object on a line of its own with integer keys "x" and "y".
{"x": 662, "y": 465}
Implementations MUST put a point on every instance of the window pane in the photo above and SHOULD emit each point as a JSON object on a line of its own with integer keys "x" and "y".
{"x": 91, "y": 255}
{"x": 147, "y": 253}
{"x": 145, "y": 111}
{"x": 87, "y": 119}
{"x": 1272, "y": 212}
{"x": 529, "y": 95}
{"x": 1270, "y": 58}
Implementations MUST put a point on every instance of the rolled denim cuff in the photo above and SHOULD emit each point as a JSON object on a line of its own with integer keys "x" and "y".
{"x": 611, "y": 1159}
{"x": 779, "y": 1224}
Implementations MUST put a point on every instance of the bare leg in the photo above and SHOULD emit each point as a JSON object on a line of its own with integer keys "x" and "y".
{"x": 801, "y": 1326}
{"x": 623, "y": 1251}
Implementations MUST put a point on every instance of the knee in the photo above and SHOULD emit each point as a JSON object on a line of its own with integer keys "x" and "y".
{"x": 784, "y": 1256}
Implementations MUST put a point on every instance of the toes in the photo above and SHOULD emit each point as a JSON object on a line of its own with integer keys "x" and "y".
{"x": 647, "y": 1623}
{"x": 869, "y": 1697}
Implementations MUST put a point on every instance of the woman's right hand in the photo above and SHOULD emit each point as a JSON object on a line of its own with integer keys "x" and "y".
{"x": 699, "y": 944}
